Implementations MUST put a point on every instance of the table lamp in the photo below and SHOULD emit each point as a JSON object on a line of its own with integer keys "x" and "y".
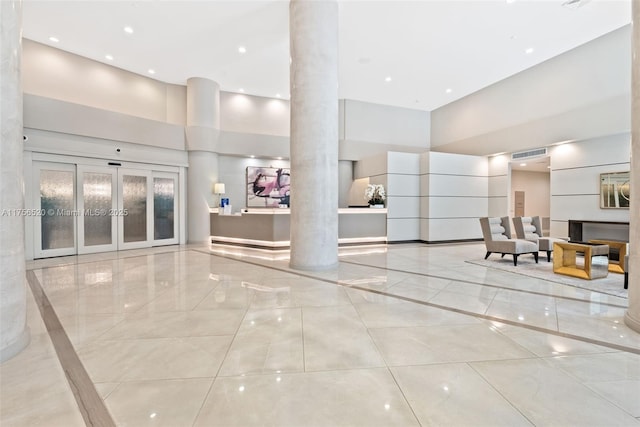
{"x": 219, "y": 189}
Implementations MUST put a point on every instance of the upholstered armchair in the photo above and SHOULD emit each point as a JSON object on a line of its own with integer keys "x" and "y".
{"x": 530, "y": 228}
{"x": 497, "y": 238}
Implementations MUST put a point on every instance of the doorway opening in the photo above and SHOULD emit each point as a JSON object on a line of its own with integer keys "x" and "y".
{"x": 531, "y": 189}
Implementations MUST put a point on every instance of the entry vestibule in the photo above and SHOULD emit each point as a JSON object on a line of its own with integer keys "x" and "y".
{"x": 82, "y": 206}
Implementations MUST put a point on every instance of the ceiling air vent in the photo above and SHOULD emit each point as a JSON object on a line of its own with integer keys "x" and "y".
{"x": 531, "y": 153}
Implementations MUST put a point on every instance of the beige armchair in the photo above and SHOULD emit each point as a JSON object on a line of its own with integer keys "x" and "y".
{"x": 530, "y": 228}
{"x": 497, "y": 238}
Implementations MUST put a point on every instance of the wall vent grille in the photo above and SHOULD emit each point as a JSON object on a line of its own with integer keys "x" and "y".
{"x": 531, "y": 153}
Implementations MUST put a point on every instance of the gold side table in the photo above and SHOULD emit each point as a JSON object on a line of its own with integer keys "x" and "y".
{"x": 596, "y": 260}
{"x": 621, "y": 247}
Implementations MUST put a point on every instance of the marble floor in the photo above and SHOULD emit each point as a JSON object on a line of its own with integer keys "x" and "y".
{"x": 403, "y": 335}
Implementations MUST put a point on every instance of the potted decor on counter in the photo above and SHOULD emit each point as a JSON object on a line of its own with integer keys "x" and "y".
{"x": 375, "y": 194}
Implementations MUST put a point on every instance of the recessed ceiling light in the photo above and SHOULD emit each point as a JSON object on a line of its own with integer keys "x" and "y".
{"x": 242, "y": 49}
{"x": 278, "y": 95}
{"x": 128, "y": 30}
{"x": 523, "y": 164}
{"x": 448, "y": 90}
{"x": 241, "y": 90}
{"x": 109, "y": 57}
{"x": 387, "y": 79}
{"x": 54, "y": 39}
{"x": 252, "y": 156}
{"x": 279, "y": 158}
{"x": 529, "y": 50}
{"x": 152, "y": 71}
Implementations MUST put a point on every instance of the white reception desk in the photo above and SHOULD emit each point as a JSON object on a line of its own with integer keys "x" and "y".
{"x": 269, "y": 228}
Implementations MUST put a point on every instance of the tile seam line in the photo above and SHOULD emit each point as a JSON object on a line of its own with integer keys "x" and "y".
{"x": 90, "y": 404}
{"x": 525, "y": 291}
{"x": 442, "y": 307}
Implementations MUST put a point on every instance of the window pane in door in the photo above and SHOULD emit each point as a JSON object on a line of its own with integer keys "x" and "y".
{"x": 163, "y": 199}
{"x": 57, "y": 202}
{"x": 134, "y": 203}
{"x": 97, "y": 195}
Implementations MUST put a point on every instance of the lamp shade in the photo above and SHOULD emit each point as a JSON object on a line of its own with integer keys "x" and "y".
{"x": 218, "y": 188}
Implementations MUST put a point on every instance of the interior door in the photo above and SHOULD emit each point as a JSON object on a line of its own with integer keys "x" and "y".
{"x": 97, "y": 209}
{"x": 165, "y": 208}
{"x": 135, "y": 209}
{"x": 55, "y": 201}
{"x": 519, "y": 203}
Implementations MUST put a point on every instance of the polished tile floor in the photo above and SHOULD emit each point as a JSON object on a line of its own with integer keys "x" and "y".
{"x": 401, "y": 335}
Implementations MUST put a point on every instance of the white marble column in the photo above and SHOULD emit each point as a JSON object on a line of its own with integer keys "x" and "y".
{"x": 14, "y": 333}
{"x": 632, "y": 316}
{"x": 313, "y": 33}
{"x": 203, "y": 132}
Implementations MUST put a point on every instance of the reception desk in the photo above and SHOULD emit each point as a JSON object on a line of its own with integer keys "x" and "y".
{"x": 269, "y": 228}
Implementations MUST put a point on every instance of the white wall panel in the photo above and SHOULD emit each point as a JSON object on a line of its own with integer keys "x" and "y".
{"x": 584, "y": 207}
{"x": 400, "y": 229}
{"x": 581, "y": 180}
{"x": 498, "y": 185}
{"x": 459, "y": 164}
{"x": 249, "y": 144}
{"x": 403, "y": 163}
{"x": 403, "y": 207}
{"x": 457, "y": 207}
{"x": 559, "y": 229}
{"x": 385, "y": 124}
{"x": 403, "y": 185}
{"x": 454, "y": 229}
{"x": 594, "y": 152}
{"x": 498, "y": 206}
{"x": 370, "y": 166}
{"x": 75, "y": 119}
{"x": 254, "y": 114}
{"x": 76, "y": 145}
{"x": 455, "y": 185}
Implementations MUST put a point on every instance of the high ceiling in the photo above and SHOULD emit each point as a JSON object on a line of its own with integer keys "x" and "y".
{"x": 434, "y": 51}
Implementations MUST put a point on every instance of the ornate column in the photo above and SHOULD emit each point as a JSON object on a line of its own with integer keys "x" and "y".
{"x": 632, "y": 316}
{"x": 14, "y": 333}
{"x": 203, "y": 131}
{"x": 313, "y": 32}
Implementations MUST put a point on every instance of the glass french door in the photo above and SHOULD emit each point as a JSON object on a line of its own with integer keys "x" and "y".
{"x": 55, "y": 205}
{"x": 97, "y": 226}
{"x": 88, "y": 209}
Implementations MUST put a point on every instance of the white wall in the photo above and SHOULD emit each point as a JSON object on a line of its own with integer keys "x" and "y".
{"x": 368, "y": 129}
{"x": 403, "y": 196}
{"x": 56, "y": 74}
{"x": 499, "y": 185}
{"x": 575, "y": 179}
{"x": 537, "y": 192}
{"x": 399, "y": 173}
{"x": 454, "y": 193}
{"x": 254, "y": 114}
{"x": 580, "y": 94}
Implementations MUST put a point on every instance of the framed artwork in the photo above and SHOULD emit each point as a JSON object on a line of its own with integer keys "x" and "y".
{"x": 268, "y": 187}
{"x": 614, "y": 190}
